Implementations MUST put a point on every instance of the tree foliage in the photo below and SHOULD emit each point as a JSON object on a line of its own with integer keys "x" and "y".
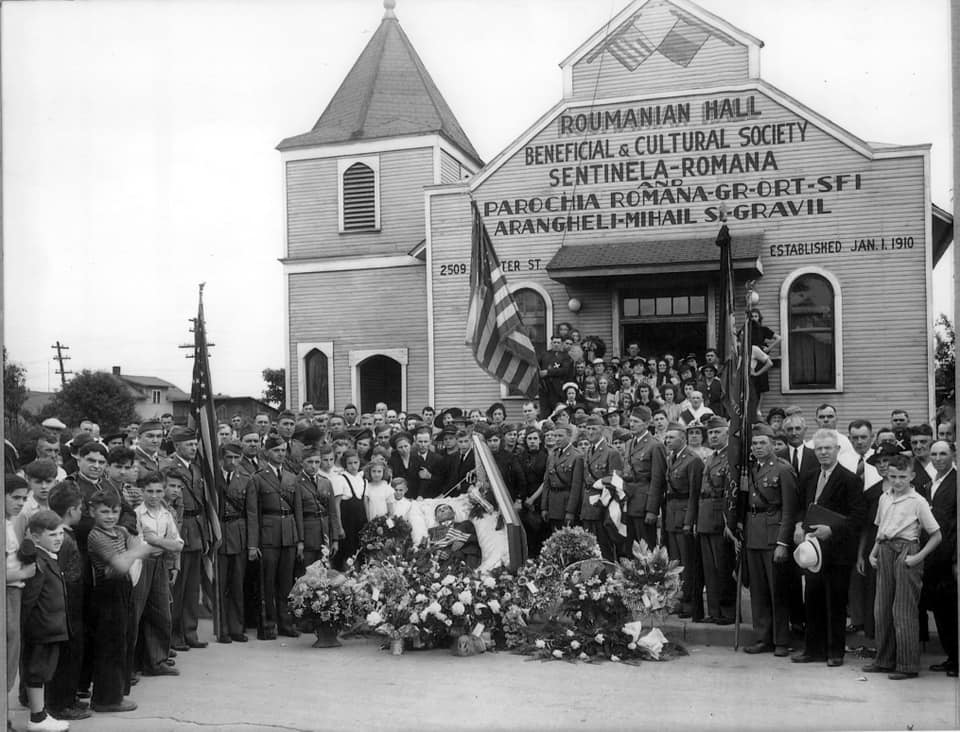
{"x": 14, "y": 388}
{"x": 276, "y": 392}
{"x": 945, "y": 358}
{"x": 93, "y": 395}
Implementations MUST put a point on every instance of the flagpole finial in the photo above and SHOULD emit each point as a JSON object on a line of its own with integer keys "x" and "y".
{"x": 388, "y": 6}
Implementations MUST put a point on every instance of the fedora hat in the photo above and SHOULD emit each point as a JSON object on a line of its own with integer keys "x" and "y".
{"x": 808, "y": 554}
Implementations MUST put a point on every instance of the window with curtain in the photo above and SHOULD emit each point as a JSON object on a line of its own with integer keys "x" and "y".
{"x": 811, "y": 329}
{"x": 317, "y": 372}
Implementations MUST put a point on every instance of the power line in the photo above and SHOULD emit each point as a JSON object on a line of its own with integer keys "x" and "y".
{"x": 61, "y": 358}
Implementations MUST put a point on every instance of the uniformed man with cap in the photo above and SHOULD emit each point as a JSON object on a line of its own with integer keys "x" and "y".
{"x": 716, "y": 550}
{"x": 274, "y": 534}
{"x": 684, "y": 476}
{"x": 768, "y": 534}
{"x": 146, "y": 455}
{"x": 196, "y": 537}
{"x": 644, "y": 474}
{"x": 600, "y": 461}
{"x": 559, "y": 500}
{"x": 232, "y": 562}
{"x": 321, "y": 508}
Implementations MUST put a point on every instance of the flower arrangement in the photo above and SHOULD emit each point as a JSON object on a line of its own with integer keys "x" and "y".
{"x": 651, "y": 581}
{"x": 324, "y": 597}
{"x": 569, "y": 545}
{"x": 385, "y": 535}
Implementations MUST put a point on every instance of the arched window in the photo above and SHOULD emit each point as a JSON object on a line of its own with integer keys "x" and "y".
{"x": 810, "y": 310}
{"x": 317, "y": 379}
{"x": 359, "y": 194}
{"x": 533, "y": 313}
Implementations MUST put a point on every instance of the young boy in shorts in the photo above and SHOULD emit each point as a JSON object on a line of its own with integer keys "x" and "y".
{"x": 898, "y": 558}
{"x": 44, "y": 619}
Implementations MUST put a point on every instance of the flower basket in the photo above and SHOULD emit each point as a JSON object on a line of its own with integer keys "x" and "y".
{"x": 326, "y": 636}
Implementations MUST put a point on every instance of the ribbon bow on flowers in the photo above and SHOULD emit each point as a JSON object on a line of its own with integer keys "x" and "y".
{"x": 608, "y": 492}
{"x": 653, "y": 641}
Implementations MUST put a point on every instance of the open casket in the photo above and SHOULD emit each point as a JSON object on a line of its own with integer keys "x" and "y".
{"x": 503, "y": 546}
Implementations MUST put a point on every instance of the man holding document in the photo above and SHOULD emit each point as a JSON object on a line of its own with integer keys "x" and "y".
{"x": 829, "y": 524}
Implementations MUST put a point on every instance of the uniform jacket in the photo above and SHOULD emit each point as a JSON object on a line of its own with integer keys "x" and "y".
{"x": 321, "y": 514}
{"x": 44, "y": 603}
{"x": 712, "y": 508}
{"x": 274, "y": 510}
{"x": 600, "y": 461}
{"x": 772, "y": 505}
{"x": 684, "y": 476}
{"x": 233, "y": 525}
{"x": 146, "y": 463}
{"x": 246, "y": 465}
{"x": 194, "y": 530}
{"x": 843, "y": 494}
{"x": 564, "y": 473}
{"x": 644, "y": 474}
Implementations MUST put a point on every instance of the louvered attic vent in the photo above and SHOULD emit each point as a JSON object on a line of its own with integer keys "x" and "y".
{"x": 359, "y": 198}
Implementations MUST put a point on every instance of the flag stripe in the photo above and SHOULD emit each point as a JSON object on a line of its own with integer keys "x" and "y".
{"x": 494, "y": 327}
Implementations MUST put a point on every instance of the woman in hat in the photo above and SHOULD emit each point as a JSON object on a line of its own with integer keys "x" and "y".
{"x": 571, "y": 393}
{"x": 496, "y": 413}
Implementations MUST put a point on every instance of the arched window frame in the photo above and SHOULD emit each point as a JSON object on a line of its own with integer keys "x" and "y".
{"x": 326, "y": 348}
{"x": 785, "y": 341}
{"x": 355, "y": 358}
{"x": 344, "y": 164}
{"x": 548, "y": 304}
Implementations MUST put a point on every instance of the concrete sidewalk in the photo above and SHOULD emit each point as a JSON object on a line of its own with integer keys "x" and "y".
{"x": 290, "y": 686}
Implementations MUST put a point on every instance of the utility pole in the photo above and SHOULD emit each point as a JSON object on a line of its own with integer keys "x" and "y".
{"x": 61, "y": 358}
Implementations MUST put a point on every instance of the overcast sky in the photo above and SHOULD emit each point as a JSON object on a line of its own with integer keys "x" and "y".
{"x": 139, "y": 160}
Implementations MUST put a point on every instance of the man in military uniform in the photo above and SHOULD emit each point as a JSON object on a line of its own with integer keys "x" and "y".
{"x": 769, "y": 526}
{"x": 564, "y": 472}
{"x": 274, "y": 534}
{"x": 321, "y": 509}
{"x": 716, "y": 548}
{"x": 684, "y": 476}
{"x": 195, "y": 534}
{"x": 644, "y": 474}
{"x": 600, "y": 461}
{"x": 233, "y": 547}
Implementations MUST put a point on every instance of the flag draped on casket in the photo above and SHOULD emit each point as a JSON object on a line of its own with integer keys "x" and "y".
{"x": 204, "y": 418}
{"x": 495, "y": 331}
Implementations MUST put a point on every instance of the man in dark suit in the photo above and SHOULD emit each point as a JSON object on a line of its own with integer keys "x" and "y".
{"x": 939, "y": 591}
{"x": 840, "y": 491}
{"x": 430, "y": 467}
{"x": 806, "y": 468}
{"x": 556, "y": 368}
{"x": 232, "y": 562}
{"x": 196, "y": 538}
{"x": 274, "y": 531}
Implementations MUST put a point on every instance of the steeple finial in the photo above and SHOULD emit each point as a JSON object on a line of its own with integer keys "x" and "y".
{"x": 388, "y": 6}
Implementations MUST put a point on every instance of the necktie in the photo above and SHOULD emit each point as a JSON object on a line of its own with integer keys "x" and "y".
{"x": 229, "y": 476}
{"x": 255, "y": 463}
{"x": 860, "y": 467}
{"x": 821, "y": 482}
{"x": 796, "y": 460}
{"x": 280, "y": 475}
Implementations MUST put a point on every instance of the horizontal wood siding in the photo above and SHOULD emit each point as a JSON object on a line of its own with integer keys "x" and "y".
{"x": 312, "y": 215}
{"x": 885, "y": 328}
{"x": 361, "y": 310}
{"x": 716, "y": 64}
{"x": 450, "y": 169}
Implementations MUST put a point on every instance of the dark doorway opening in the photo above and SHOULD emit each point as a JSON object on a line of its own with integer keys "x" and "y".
{"x": 380, "y": 379}
{"x": 658, "y": 338}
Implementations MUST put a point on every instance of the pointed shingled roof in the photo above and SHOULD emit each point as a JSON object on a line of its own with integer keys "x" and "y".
{"x": 387, "y": 93}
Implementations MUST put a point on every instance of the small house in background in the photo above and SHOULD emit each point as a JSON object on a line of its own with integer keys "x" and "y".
{"x": 153, "y": 396}
{"x": 226, "y": 407}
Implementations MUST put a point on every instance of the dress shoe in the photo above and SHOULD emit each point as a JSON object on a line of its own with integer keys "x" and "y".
{"x": 901, "y": 675}
{"x": 289, "y": 632}
{"x": 804, "y": 658}
{"x": 945, "y": 666}
{"x": 224, "y": 639}
{"x": 197, "y": 644}
{"x": 180, "y": 647}
{"x": 723, "y": 621}
{"x": 834, "y": 662}
{"x": 170, "y": 662}
{"x": 71, "y": 713}
{"x": 173, "y": 653}
{"x": 238, "y": 637}
{"x": 161, "y": 670}
{"x": 758, "y": 648}
{"x": 781, "y": 651}
{"x": 124, "y": 706}
{"x": 872, "y": 668}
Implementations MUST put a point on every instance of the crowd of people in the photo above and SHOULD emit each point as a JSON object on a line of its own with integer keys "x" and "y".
{"x": 833, "y": 533}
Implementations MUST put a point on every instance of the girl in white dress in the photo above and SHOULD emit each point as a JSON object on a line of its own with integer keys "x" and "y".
{"x": 378, "y": 498}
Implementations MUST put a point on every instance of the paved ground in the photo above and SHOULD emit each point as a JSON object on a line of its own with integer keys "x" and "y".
{"x": 291, "y": 686}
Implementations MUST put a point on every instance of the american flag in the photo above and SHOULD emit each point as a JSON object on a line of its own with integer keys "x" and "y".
{"x": 205, "y": 421}
{"x": 628, "y": 44}
{"x": 684, "y": 40}
{"x": 500, "y": 344}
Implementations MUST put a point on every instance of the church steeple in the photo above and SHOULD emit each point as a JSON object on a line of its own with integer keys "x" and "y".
{"x": 387, "y": 93}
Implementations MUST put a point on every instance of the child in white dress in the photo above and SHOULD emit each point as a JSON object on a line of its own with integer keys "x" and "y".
{"x": 379, "y": 496}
